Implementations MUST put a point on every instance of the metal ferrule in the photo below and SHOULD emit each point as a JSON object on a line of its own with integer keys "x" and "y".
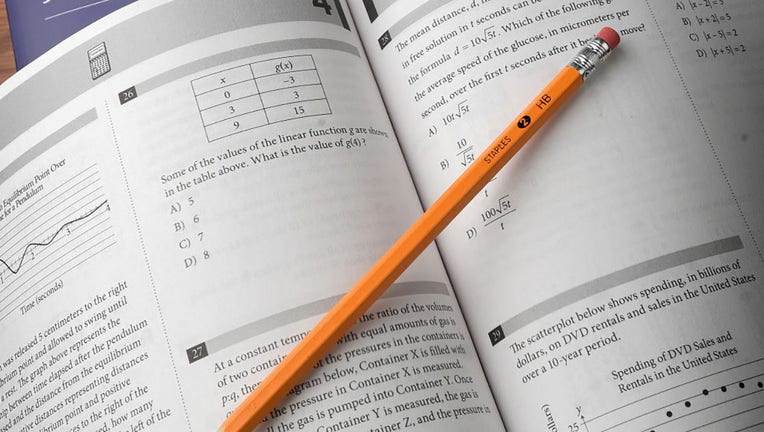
{"x": 592, "y": 54}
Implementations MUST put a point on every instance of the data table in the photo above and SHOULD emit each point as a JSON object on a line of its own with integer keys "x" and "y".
{"x": 258, "y": 94}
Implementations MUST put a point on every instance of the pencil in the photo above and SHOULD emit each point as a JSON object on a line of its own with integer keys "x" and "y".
{"x": 349, "y": 309}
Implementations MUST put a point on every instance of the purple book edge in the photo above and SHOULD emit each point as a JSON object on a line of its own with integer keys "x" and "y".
{"x": 38, "y": 25}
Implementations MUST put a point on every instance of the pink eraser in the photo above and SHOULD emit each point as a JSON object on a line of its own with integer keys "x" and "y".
{"x": 610, "y": 37}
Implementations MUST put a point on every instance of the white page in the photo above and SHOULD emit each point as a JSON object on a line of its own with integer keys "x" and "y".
{"x": 648, "y": 178}
{"x": 167, "y": 239}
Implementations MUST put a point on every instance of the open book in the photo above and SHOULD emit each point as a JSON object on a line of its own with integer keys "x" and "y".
{"x": 188, "y": 185}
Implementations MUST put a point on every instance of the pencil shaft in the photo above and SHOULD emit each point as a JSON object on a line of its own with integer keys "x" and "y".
{"x": 318, "y": 342}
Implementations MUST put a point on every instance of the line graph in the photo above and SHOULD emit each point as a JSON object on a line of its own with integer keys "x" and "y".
{"x": 52, "y": 238}
{"x": 59, "y": 231}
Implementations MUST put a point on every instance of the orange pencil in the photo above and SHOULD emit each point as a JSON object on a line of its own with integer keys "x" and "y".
{"x": 349, "y": 309}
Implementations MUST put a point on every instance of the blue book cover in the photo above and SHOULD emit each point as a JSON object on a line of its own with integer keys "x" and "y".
{"x": 38, "y": 25}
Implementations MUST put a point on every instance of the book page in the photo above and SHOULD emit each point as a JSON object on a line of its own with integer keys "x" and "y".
{"x": 187, "y": 187}
{"x": 611, "y": 275}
